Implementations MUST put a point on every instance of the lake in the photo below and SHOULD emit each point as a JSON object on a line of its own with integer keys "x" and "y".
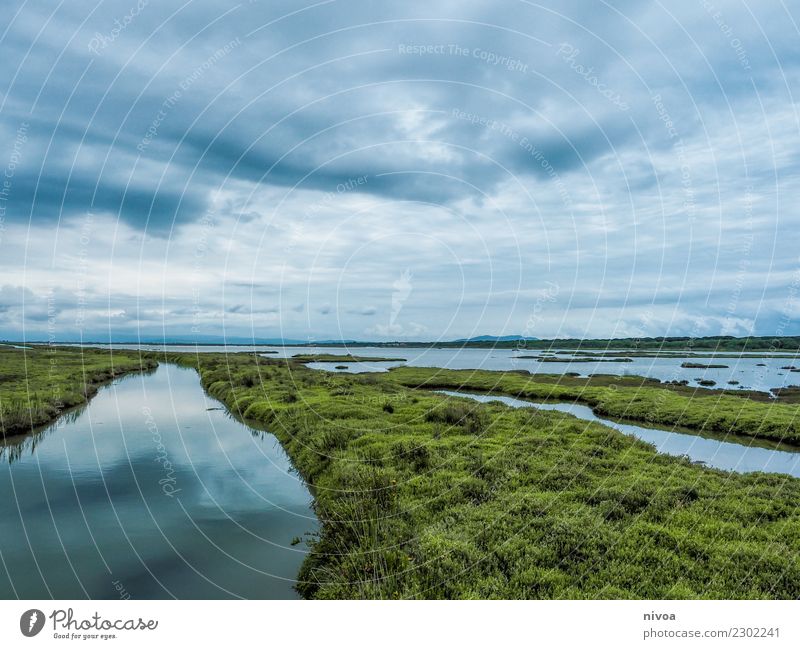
{"x": 147, "y": 493}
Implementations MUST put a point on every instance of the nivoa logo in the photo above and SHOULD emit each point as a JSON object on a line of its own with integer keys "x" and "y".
{"x": 31, "y": 622}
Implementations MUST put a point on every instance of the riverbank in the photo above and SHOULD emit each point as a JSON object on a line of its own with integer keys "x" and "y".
{"x": 421, "y": 496}
{"x": 38, "y": 384}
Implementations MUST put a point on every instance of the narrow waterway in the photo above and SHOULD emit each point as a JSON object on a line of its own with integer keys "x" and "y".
{"x": 743, "y": 456}
{"x": 151, "y": 491}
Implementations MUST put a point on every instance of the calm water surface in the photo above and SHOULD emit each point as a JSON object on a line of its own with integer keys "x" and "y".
{"x": 147, "y": 490}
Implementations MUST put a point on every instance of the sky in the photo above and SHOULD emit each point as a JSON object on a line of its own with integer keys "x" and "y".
{"x": 398, "y": 170}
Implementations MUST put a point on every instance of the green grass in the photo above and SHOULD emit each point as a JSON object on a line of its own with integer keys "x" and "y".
{"x": 38, "y": 384}
{"x": 423, "y": 496}
{"x": 649, "y": 401}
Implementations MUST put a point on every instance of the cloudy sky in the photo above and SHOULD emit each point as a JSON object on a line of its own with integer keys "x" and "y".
{"x": 399, "y": 170}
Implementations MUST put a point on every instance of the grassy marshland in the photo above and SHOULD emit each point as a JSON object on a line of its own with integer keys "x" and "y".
{"x": 39, "y": 383}
{"x": 425, "y": 496}
{"x": 649, "y": 401}
{"x": 790, "y": 393}
{"x": 421, "y": 495}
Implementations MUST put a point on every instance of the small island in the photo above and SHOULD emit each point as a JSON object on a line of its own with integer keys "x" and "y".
{"x": 703, "y": 366}
{"x": 343, "y": 358}
{"x": 582, "y": 359}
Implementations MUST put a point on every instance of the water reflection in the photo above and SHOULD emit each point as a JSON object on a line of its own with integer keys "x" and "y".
{"x": 16, "y": 447}
{"x": 147, "y": 489}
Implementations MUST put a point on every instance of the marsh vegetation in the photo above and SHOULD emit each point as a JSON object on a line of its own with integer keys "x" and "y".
{"x": 38, "y": 383}
{"x": 423, "y": 496}
{"x": 630, "y": 398}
